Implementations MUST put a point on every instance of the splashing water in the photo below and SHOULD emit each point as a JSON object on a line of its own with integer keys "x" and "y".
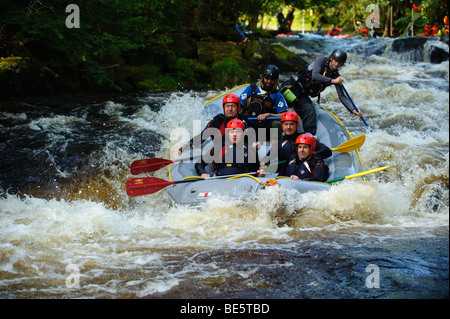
{"x": 64, "y": 204}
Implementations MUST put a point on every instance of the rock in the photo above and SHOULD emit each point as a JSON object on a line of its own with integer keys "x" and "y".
{"x": 260, "y": 53}
{"x": 421, "y": 49}
{"x": 402, "y": 45}
{"x": 20, "y": 76}
{"x": 436, "y": 52}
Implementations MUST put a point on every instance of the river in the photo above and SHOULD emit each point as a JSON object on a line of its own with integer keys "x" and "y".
{"x": 68, "y": 229}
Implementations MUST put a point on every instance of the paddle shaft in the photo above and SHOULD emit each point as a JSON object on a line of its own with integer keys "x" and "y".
{"x": 149, "y": 165}
{"x": 362, "y": 118}
{"x": 358, "y": 174}
{"x": 149, "y": 185}
{"x": 267, "y": 118}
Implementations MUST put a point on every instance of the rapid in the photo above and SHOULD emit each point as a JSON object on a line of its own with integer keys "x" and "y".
{"x": 68, "y": 229}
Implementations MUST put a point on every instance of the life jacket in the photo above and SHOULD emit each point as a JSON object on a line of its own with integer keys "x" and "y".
{"x": 220, "y": 122}
{"x": 286, "y": 149}
{"x": 291, "y": 90}
{"x": 301, "y": 169}
{"x": 226, "y": 168}
{"x": 314, "y": 88}
{"x": 302, "y": 84}
{"x": 305, "y": 170}
{"x": 258, "y": 104}
{"x": 223, "y": 125}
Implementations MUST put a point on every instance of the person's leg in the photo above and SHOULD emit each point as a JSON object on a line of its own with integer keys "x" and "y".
{"x": 307, "y": 111}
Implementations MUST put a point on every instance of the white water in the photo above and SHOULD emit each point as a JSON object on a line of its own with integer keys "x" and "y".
{"x": 128, "y": 247}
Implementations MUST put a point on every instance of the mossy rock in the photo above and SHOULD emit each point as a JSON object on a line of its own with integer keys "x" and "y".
{"x": 225, "y": 62}
{"x": 260, "y": 53}
{"x": 228, "y": 73}
{"x": 286, "y": 60}
{"x": 210, "y": 51}
{"x": 21, "y": 76}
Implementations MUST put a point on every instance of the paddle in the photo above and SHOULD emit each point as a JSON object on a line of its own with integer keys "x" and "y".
{"x": 358, "y": 174}
{"x": 267, "y": 118}
{"x": 350, "y": 145}
{"x": 362, "y": 118}
{"x": 153, "y": 164}
{"x": 149, "y": 185}
{"x": 149, "y": 165}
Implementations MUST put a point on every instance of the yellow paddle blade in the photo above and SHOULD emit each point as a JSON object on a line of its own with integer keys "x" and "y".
{"x": 350, "y": 145}
{"x": 367, "y": 172}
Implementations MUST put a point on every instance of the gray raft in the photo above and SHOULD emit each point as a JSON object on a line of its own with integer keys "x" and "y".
{"x": 330, "y": 131}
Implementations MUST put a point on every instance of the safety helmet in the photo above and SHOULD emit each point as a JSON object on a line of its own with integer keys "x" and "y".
{"x": 306, "y": 139}
{"x": 290, "y": 116}
{"x": 270, "y": 72}
{"x": 339, "y": 55}
{"x": 236, "y": 123}
{"x": 232, "y": 98}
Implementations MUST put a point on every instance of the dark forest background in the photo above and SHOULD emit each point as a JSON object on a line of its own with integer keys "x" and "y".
{"x": 156, "y": 45}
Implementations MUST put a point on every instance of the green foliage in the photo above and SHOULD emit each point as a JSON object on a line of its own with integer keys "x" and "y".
{"x": 227, "y": 73}
{"x": 124, "y": 44}
{"x": 111, "y": 31}
{"x": 432, "y": 11}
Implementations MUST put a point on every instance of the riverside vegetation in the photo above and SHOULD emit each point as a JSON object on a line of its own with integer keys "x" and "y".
{"x": 126, "y": 45}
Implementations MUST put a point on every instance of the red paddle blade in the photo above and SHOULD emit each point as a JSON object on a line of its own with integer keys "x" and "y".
{"x": 145, "y": 186}
{"x": 148, "y": 165}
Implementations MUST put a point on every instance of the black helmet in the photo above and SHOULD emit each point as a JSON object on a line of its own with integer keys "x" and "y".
{"x": 270, "y": 72}
{"x": 339, "y": 55}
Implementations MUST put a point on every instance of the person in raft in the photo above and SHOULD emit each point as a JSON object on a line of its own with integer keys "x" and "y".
{"x": 235, "y": 156}
{"x": 263, "y": 100}
{"x": 290, "y": 125}
{"x": 305, "y": 164}
{"x": 310, "y": 82}
{"x": 334, "y": 31}
{"x": 231, "y": 109}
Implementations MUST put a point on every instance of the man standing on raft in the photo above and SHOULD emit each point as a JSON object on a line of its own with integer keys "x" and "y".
{"x": 310, "y": 82}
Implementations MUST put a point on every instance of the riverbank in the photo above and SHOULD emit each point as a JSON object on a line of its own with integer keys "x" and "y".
{"x": 204, "y": 64}
{"x": 69, "y": 230}
{"x": 207, "y": 63}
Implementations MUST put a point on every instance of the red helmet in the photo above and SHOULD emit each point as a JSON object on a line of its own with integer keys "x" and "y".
{"x": 232, "y": 98}
{"x": 290, "y": 116}
{"x": 235, "y": 123}
{"x": 306, "y": 139}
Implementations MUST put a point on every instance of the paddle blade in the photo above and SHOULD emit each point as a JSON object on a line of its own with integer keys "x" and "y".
{"x": 145, "y": 186}
{"x": 350, "y": 145}
{"x": 148, "y": 165}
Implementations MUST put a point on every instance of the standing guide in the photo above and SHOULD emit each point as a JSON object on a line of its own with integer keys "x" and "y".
{"x": 310, "y": 82}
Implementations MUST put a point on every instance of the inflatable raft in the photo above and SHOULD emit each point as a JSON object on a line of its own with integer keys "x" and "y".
{"x": 190, "y": 189}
